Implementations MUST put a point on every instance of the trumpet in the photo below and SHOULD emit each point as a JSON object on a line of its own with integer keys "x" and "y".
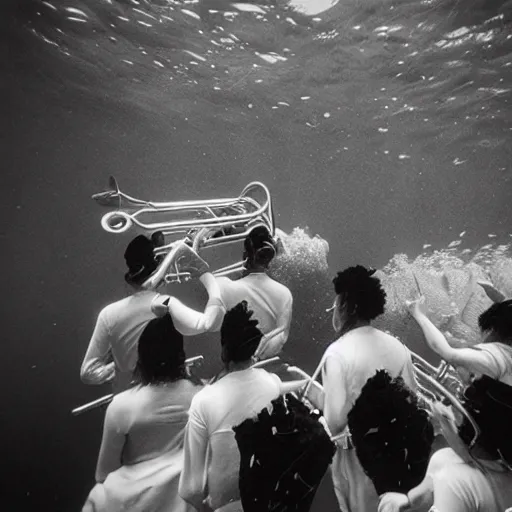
{"x": 210, "y": 223}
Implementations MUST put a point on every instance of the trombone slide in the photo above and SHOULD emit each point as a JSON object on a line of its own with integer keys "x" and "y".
{"x": 106, "y": 399}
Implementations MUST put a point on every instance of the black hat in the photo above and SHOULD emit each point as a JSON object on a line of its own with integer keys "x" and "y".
{"x": 140, "y": 259}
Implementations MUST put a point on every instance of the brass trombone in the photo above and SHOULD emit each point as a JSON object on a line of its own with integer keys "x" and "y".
{"x": 214, "y": 222}
{"x": 190, "y": 363}
{"x": 106, "y": 399}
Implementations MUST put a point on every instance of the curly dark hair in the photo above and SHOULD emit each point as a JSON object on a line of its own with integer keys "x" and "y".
{"x": 239, "y": 334}
{"x": 161, "y": 353}
{"x": 498, "y": 319}
{"x": 360, "y": 292}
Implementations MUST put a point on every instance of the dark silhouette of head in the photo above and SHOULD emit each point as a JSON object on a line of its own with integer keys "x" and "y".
{"x": 360, "y": 296}
{"x": 161, "y": 353}
{"x": 239, "y": 334}
{"x": 259, "y": 248}
{"x": 496, "y": 321}
{"x": 140, "y": 258}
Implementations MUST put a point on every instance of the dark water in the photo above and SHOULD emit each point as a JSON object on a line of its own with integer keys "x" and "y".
{"x": 380, "y": 125}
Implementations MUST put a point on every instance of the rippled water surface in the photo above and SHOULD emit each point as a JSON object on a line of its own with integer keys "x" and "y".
{"x": 383, "y": 126}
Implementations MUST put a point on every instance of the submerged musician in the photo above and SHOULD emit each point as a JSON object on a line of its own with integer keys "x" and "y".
{"x": 270, "y": 301}
{"x": 210, "y": 476}
{"x": 358, "y": 353}
{"x": 480, "y": 479}
{"x": 141, "y": 453}
{"x": 112, "y": 351}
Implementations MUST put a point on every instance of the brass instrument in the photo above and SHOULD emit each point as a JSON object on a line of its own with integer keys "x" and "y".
{"x": 199, "y": 223}
{"x": 210, "y": 223}
{"x": 191, "y": 362}
{"x": 106, "y": 399}
{"x": 432, "y": 384}
{"x": 441, "y": 384}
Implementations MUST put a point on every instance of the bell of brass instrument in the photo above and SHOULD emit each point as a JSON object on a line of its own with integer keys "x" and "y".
{"x": 442, "y": 384}
{"x": 199, "y": 223}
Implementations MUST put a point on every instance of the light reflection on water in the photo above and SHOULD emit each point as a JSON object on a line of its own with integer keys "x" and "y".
{"x": 415, "y": 62}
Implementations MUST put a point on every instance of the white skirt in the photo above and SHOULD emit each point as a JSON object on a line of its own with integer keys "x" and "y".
{"x": 354, "y": 490}
{"x": 149, "y": 486}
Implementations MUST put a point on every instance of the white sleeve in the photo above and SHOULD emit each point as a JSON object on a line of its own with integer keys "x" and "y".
{"x": 192, "y": 486}
{"x": 190, "y": 322}
{"x": 497, "y": 359}
{"x": 97, "y": 366}
{"x": 336, "y": 404}
{"x": 453, "y": 492}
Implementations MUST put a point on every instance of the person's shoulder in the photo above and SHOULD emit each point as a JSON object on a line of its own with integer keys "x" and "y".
{"x": 284, "y": 289}
{"x": 386, "y": 337}
{"x": 264, "y": 374}
{"x": 224, "y": 283}
{"x": 337, "y": 351}
{"x": 204, "y": 396}
{"x": 108, "y": 310}
{"x": 114, "y": 307}
{"x": 495, "y": 348}
{"x": 266, "y": 377}
{"x": 123, "y": 401}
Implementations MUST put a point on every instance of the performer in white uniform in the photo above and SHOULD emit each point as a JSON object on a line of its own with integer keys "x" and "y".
{"x": 141, "y": 453}
{"x": 348, "y": 363}
{"x": 209, "y": 480}
{"x": 457, "y": 480}
{"x": 112, "y": 351}
{"x": 270, "y": 301}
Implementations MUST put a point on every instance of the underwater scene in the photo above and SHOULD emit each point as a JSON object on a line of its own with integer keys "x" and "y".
{"x": 382, "y": 129}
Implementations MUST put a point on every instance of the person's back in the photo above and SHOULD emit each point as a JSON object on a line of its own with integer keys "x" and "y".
{"x": 154, "y": 419}
{"x": 266, "y": 297}
{"x": 112, "y": 351}
{"x": 270, "y": 300}
{"x": 212, "y": 459}
{"x": 141, "y": 454}
{"x": 121, "y": 324}
{"x": 221, "y": 406}
{"x": 348, "y": 363}
{"x": 460, "y": 487}
{"x": 365, "y": 350}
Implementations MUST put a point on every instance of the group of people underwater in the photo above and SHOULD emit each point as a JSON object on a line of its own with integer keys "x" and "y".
{"x": 175, "y": 443}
